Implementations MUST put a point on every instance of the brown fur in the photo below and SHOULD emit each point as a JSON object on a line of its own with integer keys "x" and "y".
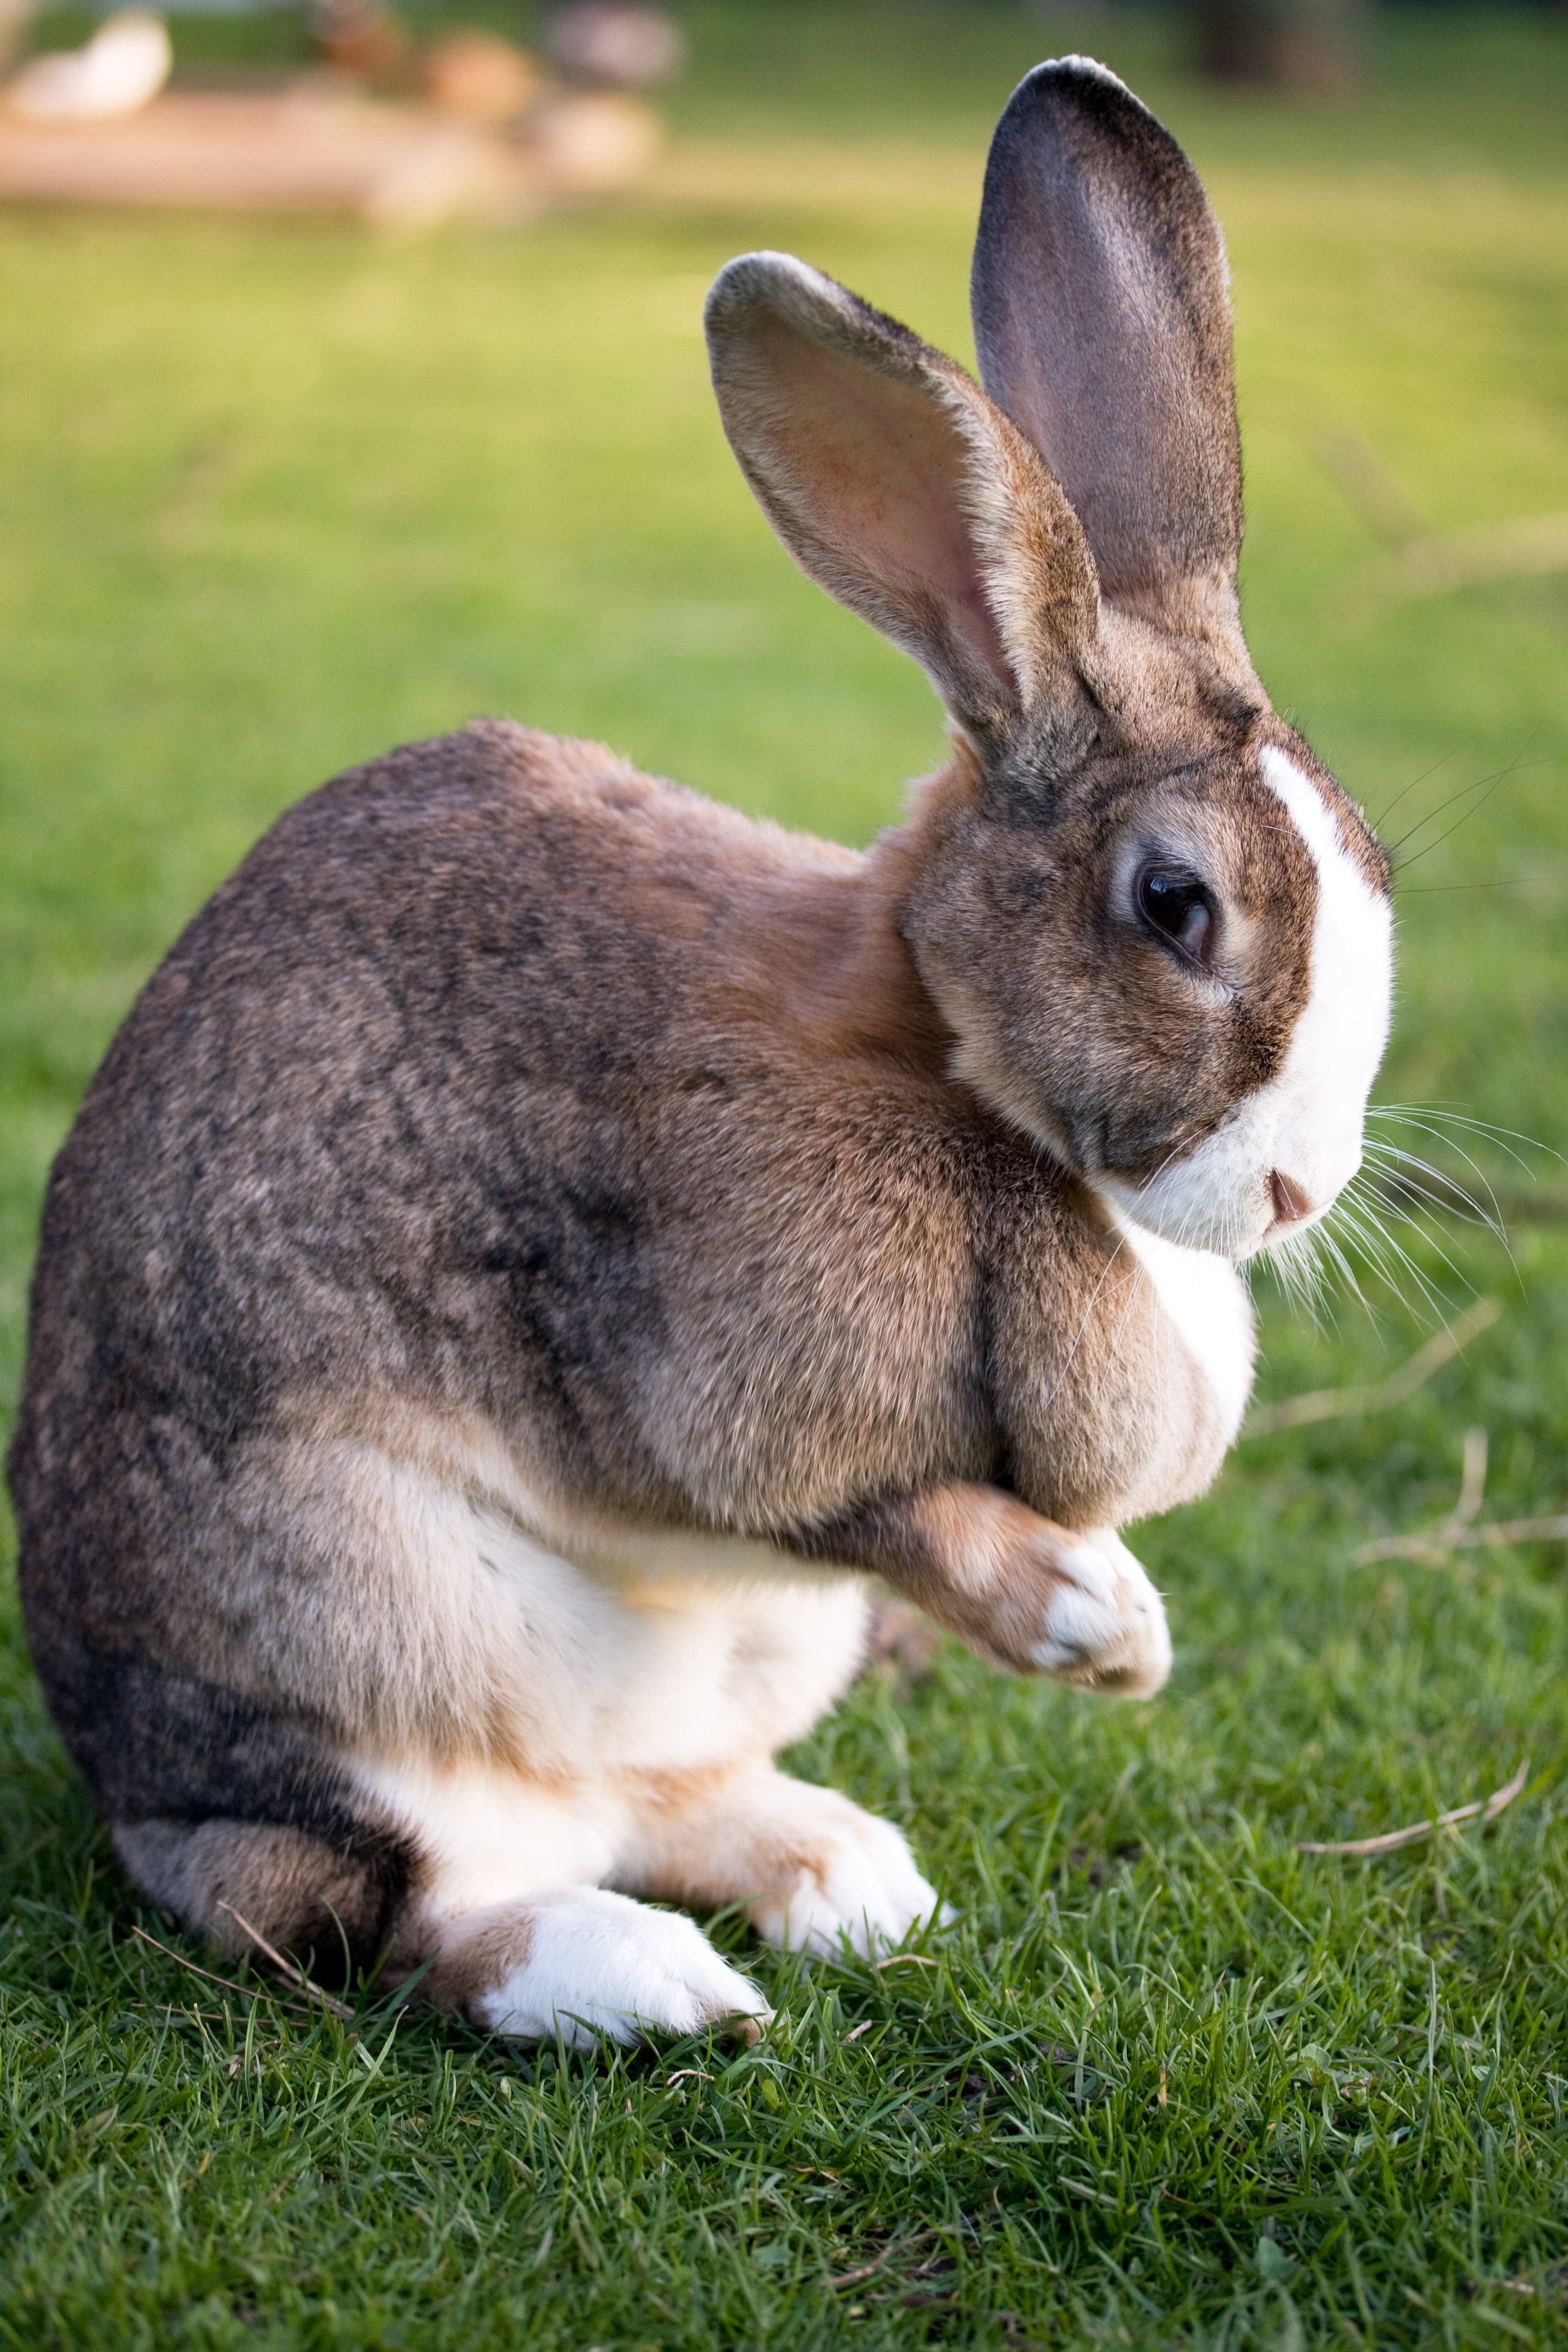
{"x": 518, "y": 1137}
{"x": 696, "y": 1862}
{"x": 339, "y": 1908}
{"x": 721, "y": 1107}
{"x": 973, "y": 1557}
{"x": 481, "y": 1954}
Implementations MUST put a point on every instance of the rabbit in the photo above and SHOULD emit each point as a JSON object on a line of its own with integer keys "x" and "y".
{"x": 541, "y": 1242}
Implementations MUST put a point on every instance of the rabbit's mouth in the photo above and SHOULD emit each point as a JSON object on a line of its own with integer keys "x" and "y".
{"x": 1227, "y": 1198}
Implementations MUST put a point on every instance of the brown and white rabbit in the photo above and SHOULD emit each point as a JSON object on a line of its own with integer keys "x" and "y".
{"x": 539, "y": 1234}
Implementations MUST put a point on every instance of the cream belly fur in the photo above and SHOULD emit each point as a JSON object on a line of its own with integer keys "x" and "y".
{"x": 668, "y": 1692}
{"x": 636, "y": 1694}
{"x": 652, "y": 1676}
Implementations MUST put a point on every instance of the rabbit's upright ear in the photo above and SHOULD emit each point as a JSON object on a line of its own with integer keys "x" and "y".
{"x": 895, "y": 483}
{"x": 1102, "y": 322}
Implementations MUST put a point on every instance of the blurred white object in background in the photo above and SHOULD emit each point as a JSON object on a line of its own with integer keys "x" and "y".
{"x": 480, "y": 77}
{"x": 124, "y": 65}
{"x": 630, "y": 48}
{"x": 590, "y": 146}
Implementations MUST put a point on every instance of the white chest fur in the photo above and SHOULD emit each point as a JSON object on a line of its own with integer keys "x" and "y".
{"x": 1207, "y": 1302}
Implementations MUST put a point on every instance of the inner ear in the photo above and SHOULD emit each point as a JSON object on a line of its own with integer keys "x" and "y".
{"x": 1102, "y": 322}
{"x": 894, "y": 482}
{"x": 880, "y": 471}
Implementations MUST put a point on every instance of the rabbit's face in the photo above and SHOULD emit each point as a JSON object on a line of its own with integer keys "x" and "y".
{"x": 1279, "y": 908}
{"x": 1175, "y": 975}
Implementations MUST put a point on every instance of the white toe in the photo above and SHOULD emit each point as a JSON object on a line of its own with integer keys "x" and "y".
{"x": 1106, "y": 1626}
{"x": 866, "y": 1892}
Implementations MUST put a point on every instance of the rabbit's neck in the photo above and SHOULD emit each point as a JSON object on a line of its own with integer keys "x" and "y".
{"x": 824, "y": 948}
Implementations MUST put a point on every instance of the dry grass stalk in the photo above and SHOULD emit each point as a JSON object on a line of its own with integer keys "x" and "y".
{"x": 286, "y": 1968}
{"x": 1436, "y": 1550}
{"x": 1377, "y": 1396}
{"x": 247, "y": 1992}
{"x": 1462, "y": 1531}
{"x": 1472, "y": 1480}
{"x": 869, "y": 2270}
{"x": 1369, "y": 484}
{"x": 169, "y": 1953}
{"x": 1421, "y": 561}
{"x": 1488, "y": 1808}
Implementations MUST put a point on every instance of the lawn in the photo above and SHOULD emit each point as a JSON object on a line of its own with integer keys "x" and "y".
{"x": 275, "y": 497}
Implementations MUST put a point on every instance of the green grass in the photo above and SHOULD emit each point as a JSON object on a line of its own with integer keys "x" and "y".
{"x": 272, "y": 498}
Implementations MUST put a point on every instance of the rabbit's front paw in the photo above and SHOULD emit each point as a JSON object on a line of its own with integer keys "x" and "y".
{"x": 1105, "y": 1624}
{"x": 860, "y": 1884}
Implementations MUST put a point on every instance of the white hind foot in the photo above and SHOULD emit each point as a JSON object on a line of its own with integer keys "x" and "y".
{"x": 582, "y": 1963}
{"x": 1105, "y": 1626}
{"x": 812, "y": 1869}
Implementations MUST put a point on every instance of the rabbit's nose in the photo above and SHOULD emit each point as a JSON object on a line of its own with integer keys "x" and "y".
{"x": 1291, "y": 1202}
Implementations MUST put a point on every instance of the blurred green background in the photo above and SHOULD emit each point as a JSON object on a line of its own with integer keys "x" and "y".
{"x": 275, "y": 496}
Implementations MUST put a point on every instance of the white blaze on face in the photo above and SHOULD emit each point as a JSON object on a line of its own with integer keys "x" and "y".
{"x": 1322, "y": 1089}
{"x": 1306, "y": 1124}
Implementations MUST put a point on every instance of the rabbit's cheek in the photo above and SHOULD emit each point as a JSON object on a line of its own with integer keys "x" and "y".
{"x": 1280, "y": 1159}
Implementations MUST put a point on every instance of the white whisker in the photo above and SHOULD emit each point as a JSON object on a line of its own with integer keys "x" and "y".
{"x": 1457, "y": 1197}
{"x": 1421, "y": 1114}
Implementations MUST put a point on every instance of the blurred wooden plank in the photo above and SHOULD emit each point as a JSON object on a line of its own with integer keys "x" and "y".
{"x": 296, "y": 150}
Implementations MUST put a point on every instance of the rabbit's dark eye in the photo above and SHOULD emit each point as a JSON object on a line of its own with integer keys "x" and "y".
{"x": 1177, "y": 906}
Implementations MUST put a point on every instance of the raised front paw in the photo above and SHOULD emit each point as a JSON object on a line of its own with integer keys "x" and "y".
{"x": 1022, "y": 1590}
{"x": 1104, "y": 1624}
{"x": 586, "y": 1963}
{"x": 1041, "y": 1599}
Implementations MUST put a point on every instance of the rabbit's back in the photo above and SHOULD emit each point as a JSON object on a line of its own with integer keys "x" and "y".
{"x": 470, "y": 1089}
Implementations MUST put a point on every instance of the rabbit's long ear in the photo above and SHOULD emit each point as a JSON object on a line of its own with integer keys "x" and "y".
{"x": 1102, "y": 322}
{"x": 894, "y": 482}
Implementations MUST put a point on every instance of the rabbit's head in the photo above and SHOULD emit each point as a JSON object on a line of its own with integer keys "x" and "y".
{"x": 1156, "y": 927}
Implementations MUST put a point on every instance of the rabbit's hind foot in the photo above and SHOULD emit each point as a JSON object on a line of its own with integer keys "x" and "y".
{"x": 580, "y": 1963}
